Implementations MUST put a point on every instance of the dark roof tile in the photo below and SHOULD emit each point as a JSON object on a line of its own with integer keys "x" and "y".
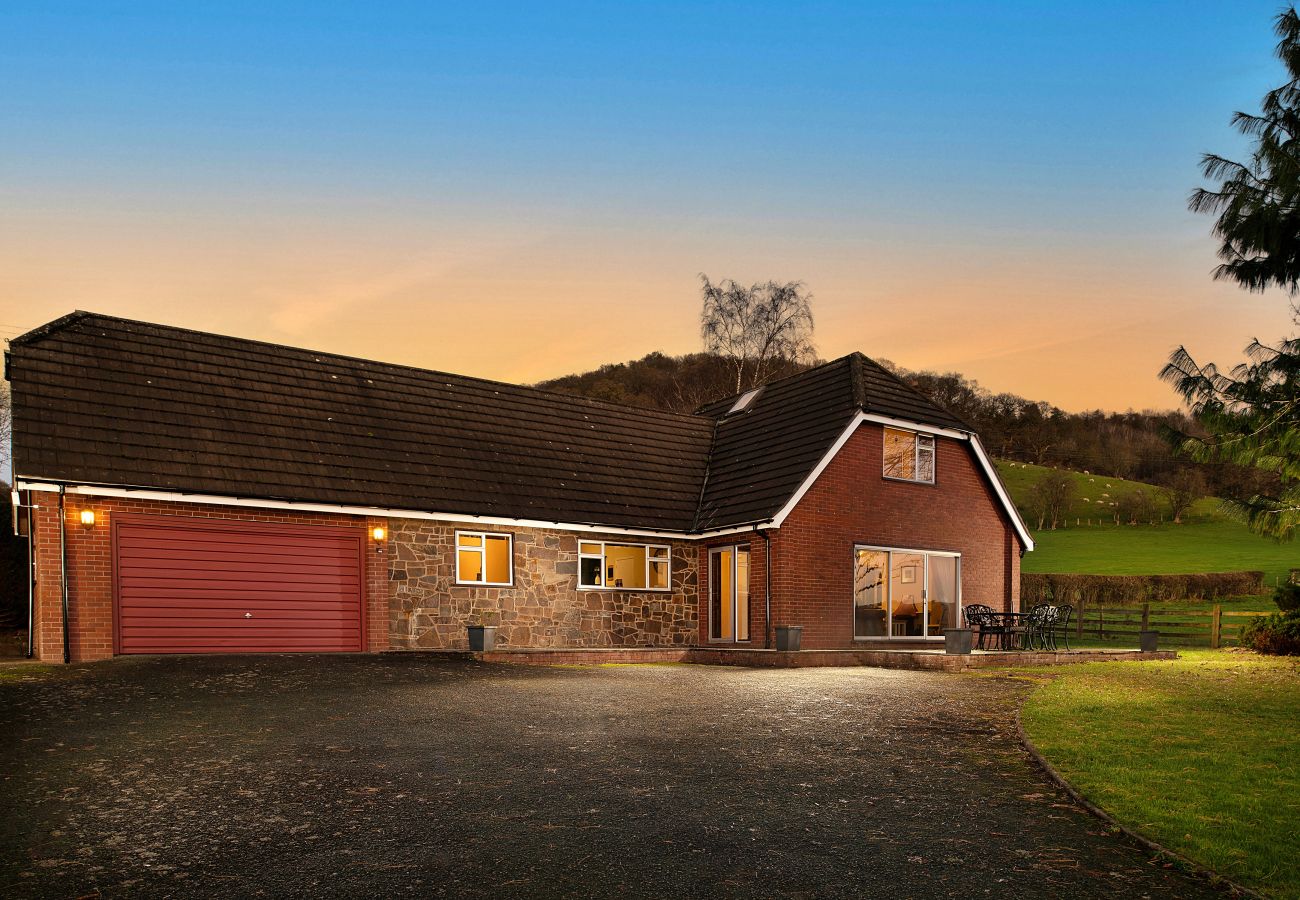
{"x": 111, "y": 401}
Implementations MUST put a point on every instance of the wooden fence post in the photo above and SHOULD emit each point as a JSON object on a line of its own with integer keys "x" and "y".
{"x": 1078, "y": 622}
{"x": 1216, "y": 626}
{"x": 1146, "y": 616}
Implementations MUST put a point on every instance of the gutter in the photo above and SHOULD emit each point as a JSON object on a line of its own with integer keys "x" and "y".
{"x": 97, "y": 490}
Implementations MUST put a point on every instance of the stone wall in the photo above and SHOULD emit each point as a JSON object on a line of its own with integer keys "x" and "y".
{"x": 543, "y": 608}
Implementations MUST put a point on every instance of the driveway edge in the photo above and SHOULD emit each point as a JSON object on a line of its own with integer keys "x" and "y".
{"x": 1214, "y": 878}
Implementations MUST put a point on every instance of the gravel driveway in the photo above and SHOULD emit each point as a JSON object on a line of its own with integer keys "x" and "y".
{"x": 407, "y": 774}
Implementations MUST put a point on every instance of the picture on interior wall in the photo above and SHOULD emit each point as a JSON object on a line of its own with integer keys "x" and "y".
{"x": 909, "y": 575}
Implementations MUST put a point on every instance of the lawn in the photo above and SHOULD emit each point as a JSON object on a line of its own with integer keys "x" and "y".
{"x": 1208, "y": 546}
{"x": 1199, "y": 754}
{"x": 1207, "y": 541}
{"x": 1096, "y": 496}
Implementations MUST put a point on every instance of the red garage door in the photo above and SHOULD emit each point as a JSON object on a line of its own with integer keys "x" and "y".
{"x": 187, "y": 586}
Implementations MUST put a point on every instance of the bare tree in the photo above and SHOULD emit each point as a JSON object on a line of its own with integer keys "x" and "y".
{"x": 1051, "y": 496}
{"x": 760, "y": 329}
{"x": 1181, "y": 490}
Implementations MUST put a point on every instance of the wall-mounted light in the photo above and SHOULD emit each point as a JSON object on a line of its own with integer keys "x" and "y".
{"x": 87, "y": 517}
{"x": 378, "y": 533}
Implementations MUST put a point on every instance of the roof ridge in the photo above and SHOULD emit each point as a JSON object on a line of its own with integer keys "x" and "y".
{"x": 49, "y": 328}
{"x": 65, "y": 321}
{"x": 818, "y": 367}
{"x": 903, "y": 384}
{"x": 859, "y": 379}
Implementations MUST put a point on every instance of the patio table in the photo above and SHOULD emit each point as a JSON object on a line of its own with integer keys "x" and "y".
{"x": 1013, "y": 623}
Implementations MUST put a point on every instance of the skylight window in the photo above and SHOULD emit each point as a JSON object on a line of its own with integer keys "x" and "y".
{"x": 744, "y": 401}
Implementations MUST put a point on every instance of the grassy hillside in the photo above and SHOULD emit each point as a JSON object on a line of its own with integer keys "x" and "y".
{"x": 1207, "y": 541}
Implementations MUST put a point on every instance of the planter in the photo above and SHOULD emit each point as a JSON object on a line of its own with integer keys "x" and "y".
{"x": 1147, "y": 641}
{"x": 789, "y": 637}
{"x": 958, "y": 640}
{"x": 482, "y": 638}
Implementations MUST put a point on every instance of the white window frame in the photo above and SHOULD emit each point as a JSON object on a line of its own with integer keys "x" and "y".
{"x": 604, "y": 567}
{"x": 925, "y": 589}
{"x": 917, "y": 449}
{"x": 481, "y": 550}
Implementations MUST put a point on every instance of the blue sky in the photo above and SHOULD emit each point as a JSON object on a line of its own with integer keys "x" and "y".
{"x": 997, "y": 188}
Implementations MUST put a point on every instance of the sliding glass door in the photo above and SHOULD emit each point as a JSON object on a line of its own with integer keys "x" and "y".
{"x": 729, "y": 594}
{"x": 904, "y": 593}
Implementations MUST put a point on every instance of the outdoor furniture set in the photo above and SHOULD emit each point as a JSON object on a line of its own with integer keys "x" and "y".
{"x": 1033, "y": 630}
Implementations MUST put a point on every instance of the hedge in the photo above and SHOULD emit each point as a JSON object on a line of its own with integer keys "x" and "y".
{"x": 1120, "y": 590}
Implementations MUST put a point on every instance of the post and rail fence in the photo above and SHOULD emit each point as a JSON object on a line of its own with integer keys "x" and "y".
{"x": 1177, "y": 627}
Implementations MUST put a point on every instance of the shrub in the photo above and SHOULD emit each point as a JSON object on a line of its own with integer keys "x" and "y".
{"x": 1124, "y": 590}
{"x": 1278, "y": 634}
{"x": 1287, "y": 597}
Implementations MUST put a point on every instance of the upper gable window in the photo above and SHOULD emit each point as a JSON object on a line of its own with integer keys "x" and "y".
{"x": 909, "y": 456}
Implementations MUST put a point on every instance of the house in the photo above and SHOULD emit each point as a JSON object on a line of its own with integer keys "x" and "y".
{"x": 193, "y": 493}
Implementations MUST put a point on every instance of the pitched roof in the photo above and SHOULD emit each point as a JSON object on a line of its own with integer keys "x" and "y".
{"x": 103, "y": 400}
{"x": 762, "y": 455}
{"x": 108, "y": 401}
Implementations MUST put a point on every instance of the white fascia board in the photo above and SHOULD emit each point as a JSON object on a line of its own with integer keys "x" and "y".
{"x": 1000, "y": 489}
{"x": 821, "y": 467}
{"x": 90, "y": 490}
{"x": 915, "y": 426}
{"x": 971, "y": 437}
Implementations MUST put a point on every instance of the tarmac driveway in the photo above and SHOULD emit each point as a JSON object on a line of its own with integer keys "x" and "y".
{"x": 407, "y": 774}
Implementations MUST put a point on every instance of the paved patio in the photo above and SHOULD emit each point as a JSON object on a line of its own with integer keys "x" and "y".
{"x": 417, "y": 775}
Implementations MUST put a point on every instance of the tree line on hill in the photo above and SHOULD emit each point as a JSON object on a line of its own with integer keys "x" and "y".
{"x": 1130, "y": 445}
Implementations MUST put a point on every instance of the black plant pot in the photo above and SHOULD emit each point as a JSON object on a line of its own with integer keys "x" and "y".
{"x": 1147, "y": 641}
{"x": 958, "y": 640}
{"x": 789, "y": 637}
{"x": 482, "y": 638}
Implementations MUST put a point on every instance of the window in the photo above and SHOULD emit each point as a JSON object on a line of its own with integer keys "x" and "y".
{"x": 905, "y": 593}
{"x": 483, "y": 557}
{"x": 909, "y": 456}
{"x": 635, "y": 567}
{"x": 745, "y": 401}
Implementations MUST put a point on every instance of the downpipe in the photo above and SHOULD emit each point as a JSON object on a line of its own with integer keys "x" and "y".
{"x": 63, "y": 573}
{"x": 31, "y": 582}
{"x": 767, "y": 589}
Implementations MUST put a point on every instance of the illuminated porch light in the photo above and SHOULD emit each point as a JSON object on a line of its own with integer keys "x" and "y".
{"x": 87, "y": 517}
{"x": 378, "y": 533}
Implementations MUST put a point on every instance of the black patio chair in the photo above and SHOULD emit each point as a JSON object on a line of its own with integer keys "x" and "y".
{"x": 1034, "y": 626}
{"x": 1062, "y": 624}
{"x": 986, "y": 620}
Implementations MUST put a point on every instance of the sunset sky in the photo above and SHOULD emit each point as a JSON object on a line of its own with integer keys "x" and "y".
{"x": 528, "y": 190}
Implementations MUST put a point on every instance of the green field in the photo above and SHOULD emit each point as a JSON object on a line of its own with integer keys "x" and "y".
{"x": 1206, "y": 542}
{"x": 1197, "y": 753}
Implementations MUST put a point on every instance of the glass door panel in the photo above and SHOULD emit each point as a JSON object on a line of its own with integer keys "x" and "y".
{"x": 721, "y": 610}
{"x": 741, "y": 582}
{"x": 907, "y": 594}
{"x": 870, "y": 593}
{"x": 729, "y": 594}
{"x": 941, "y": 595}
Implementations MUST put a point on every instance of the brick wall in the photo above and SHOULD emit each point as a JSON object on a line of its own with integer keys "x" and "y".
{"x": 90, "y": 566}
{"x": 543, "y": 607}
{"x": 851, "y": 503}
